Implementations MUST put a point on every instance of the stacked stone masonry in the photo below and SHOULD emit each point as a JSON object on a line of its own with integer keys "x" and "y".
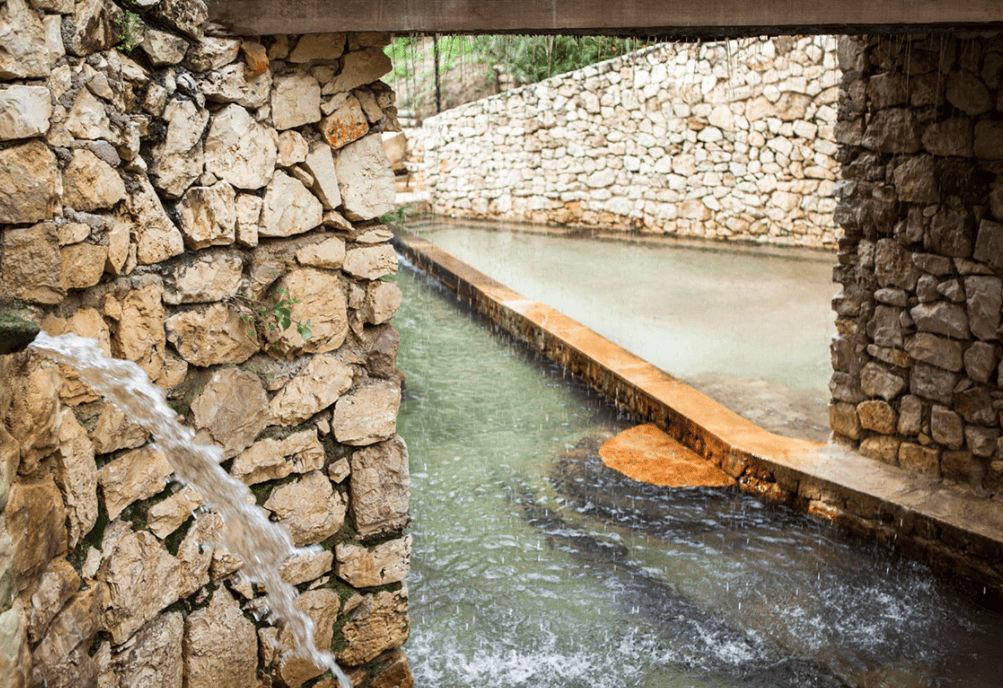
{"x": 163, "y": 190}
{"x": 717, "y": 140}
{"x": 917, "y": 360}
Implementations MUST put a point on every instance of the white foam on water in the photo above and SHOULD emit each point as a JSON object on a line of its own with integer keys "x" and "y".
{"x": 248, "y": 533}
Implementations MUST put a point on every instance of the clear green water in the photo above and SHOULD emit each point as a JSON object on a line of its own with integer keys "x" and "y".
{"x": 523, "y": 576}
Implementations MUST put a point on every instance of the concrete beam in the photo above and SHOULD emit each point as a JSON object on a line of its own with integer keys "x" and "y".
{"x": 697, "y": 18}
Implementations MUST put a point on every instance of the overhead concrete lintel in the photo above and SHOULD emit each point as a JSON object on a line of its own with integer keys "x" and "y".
{"x": 697, "y": 18}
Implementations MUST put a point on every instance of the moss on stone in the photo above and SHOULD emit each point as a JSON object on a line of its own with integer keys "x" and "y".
{"x": 17, "y": 330}
{"x": 173, "y": 541}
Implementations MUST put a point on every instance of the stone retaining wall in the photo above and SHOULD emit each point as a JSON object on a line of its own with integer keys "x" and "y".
{"x": 916, "y": 378}
{"x": 721, "y": 141}
{"x": 165, "y": 192}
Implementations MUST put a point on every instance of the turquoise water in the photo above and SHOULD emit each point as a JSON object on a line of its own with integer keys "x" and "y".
{"x": 535, "y": 567}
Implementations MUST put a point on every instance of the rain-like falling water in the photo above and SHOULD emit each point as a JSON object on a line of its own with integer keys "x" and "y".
{"x": 261, "y": 544}
{"x": 535, "y": 566}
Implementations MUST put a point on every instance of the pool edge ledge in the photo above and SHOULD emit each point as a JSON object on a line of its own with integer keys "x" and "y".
{"x": 924, "y": 519}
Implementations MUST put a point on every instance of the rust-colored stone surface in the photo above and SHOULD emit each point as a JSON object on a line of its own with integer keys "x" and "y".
{"x": 647, "y": 454}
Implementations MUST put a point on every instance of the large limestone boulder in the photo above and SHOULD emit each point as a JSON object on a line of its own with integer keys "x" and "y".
{"x": 153, "y": 658}
{"x": 367, "y": 415}
{"x": 220, "y": 645}
{"x": 321, "y": 382}
{"x": 240, "y": 150}
{"x": 322, "y": 607}
{"x": 55, "y": 587}
{"x": 231, "y": 411}
{"x": 382, "y": 301}
{"x": 32, "y": 414}
{"x": 367, "y": 183}
{"x": 208, "y": 216}
{"x": 211, "y": 337}
{"x": 24, "y": 50}
{"x": 30, "y": 262}
{"x": 62, "y": 658}
{"x": 157, "y": 239}
{"x": 371, "y": 262}
{"x": 139, "y": 578}
{"x": 319, "y": 162}
{"x": 275, "y": 459}
{"x": 211, "y": 53}
{"x": 114, "y": 431}
{"x": 233, "y": 84}
{"x": 24, "y": 111}
{"x": 295, "y": 100}
{"x": 36, "y": 520}
{"x": 309, "y": 507}
{"x": 139, "y": 336}
{"x": 86, "y": 322}
{"x": 378, "y": 624}
{"x": 81, "y": 265}
{"x": 211, "y": 276}
{"x": 137, "y": 474}
{"x": 178, "y": 160}
{"x": 380, "y": 487}
{"x": 88, "y": 119}
{"x": 362, "y": 567}
{"x": 89, "y": 183}
{"x": 360, "y": 68}
{"x": 329, "y": 254}
{"x": 346, "y": 122}
{"x": 322, "y": 302}
{"x": 288, "y": 208}
{"x": 76, "y": 475}
{"x": 29, "y": 183}
{"x": 167, "y": 516}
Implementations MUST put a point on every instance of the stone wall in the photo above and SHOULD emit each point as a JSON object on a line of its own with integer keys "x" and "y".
{"x": 916, "y": 380}
{"x": 722, "y": 141}
{"x": 165, "y": 191}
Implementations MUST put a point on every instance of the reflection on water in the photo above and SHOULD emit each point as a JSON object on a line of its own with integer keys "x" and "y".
{"x": 717, "y": 317}
{"x": 534, "y": 566}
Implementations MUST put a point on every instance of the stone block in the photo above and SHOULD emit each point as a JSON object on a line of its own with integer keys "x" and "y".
{"x": 363, "y": 567}
{"x": 370, "y": 262}
{"x": 240, "y": 150}
{"x": 346, "y": 121}
{"x": 231, "y": 410}
{"x": 881, "y": 448}
{"x": 319, "y": 162}
{"x": 981, "y": 440}
{"x": 31, "y": 264}
{"x": 24, "y": 51}
{"x": 360, "y": 68}
{"x": 322, "y": 302}
{"x": 316, "y": 387}
{"x": 234, "y": 84}
{"x": 210, "y": 276}
{"x": 877, "y": 381}
{"x": 367, "y": 415}
{"x": 966, "y": 92}
{"x": 894, "y": 130}
{"x": 946, "y": 427}
{"x": 989, "y": 140}
{"x": 24, "y": 111}
{"x": 878, "y": 416}
{"x": 916, "y": 180}
{"x": 178, "y": 160}
{"x": 942, "y": 317}
{"x": 915, "y": 457}
{"x": 950, "y": 230}
{"x": 950, "y": 137}
{"x": 962, "y": 467}
{"x": 136, "y": 475}
{"x": 939, "y": 351}
{"x": 989, "y": 244}
{"x": 29, "y": 183}
{"x": 157, "y": 239}
{"x": 984, "y": 301}
{"x": 893, "y": 265}
{"x": 295, "y": 100}
{"x": 378, "y": 624}
{"x": 322, "y": 46}
{"x": 211, "y": 336}
{"x": 976, "y": 405}
{"x": 980, "y": 361}
{"x": 211, "y": 53}
{"x": 288, "y": 208}
{"x": 309, "y": 507}
{"x": 220, "y": 645}
{"x": 380, "y": 487}
{"x": 932, "y": 383}
{"x": 35, "y": 518}
{"x": 207, "y": 215}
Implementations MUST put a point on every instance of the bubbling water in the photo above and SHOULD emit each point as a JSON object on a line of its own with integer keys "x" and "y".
{"x": 262, "y": 544}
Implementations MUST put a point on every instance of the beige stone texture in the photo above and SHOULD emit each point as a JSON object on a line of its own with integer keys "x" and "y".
{"x": 73, "y": 233}
{"x": 921, "y": 459}
{"x": 212, "y": 53}
{"x": 370, "y": 262}
{"x": 362, "y": 567}
{"x": 81, "y": 265}
{"x": 307, "y": 567}
{"x": 211, "y": 337}
{"x": 211, "y": 276}
{"x": 380, "y": 487}
{"x": 322, "y": 46}
{"x": 15, "y": 652}
{"x": 878, "y": 416}
{"x": 86, "y": 322}
{"x": 55, "y": 586}
{"x": 153, "y": 657}
{"x": 328, "y": 254}
{"x": 378, "y": 624}
{"x": 187, "y": 16}
{"x": 231, "y": 410}
{"x": 114, "y": 431}
{"x": 339, "y": 470}
{"x": 139, "y": 579}
{"x": 62, "y": 659}
{"x": 293, "y": 148}
{"x": 162, "y": 47}
{"x": 346, "y": 121}
{"x": 29, "y": 183}
{"x": 319, "y": 162}
{"x": 309, "y": 507}
{"x": 88, "y": 119}
{"x": 137, "y": 474}
{"x": 220, "y": 645}
{"x": 288, "y": 208}
{"x": 157, "y": 239}
{"x": 382, "y": 301}
{"x": 360, "y": 68}
{"x": 316, "y": 387}
{"x": 33, "y": 411}
{"x": 235, "y": 84}
{"x": 167, "y": 516}
{"x": 139, "y": 334}
{"x": 178, "y": 161}
{"x": 195, "y": 553}
{"x": 367, "y": 415}
{"x": 368, "y": 189}
{"x": 208, "y": 216}
{"x": 271, "y": 459}
{"x": 30, "y": 263}
{"x": 884, "y": 448}
{"x": 97, "y": 25}
{"x": 240, "y": 150}
{"x": 321, "y": 302}
{"x": 248, "y": 213}
{"x": 24, "y": 111}
{"x": 322, "y": 607}
{"x": 36, "y": 520}
{"x": 255, "y": 57}
{"x": 76, "y": 476}
{"x": 844, "y": 420}
{"x": 24, "y": 52}
{"x": 295, "y": 100}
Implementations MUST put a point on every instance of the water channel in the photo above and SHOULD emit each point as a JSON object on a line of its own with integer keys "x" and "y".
{"x": 747, "y": 325}
{"x": 535, "y": 566}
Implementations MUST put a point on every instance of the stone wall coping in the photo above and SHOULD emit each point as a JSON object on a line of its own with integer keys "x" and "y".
{"x": 741, "y": 448}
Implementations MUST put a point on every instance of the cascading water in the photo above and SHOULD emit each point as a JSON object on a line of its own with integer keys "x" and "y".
{"x": 248, "y": 533}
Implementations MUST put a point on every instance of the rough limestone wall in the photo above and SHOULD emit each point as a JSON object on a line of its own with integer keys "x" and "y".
{"x": 704, "y": 140}
{"x": 916, "y": 379}
{"x": 155, "y": 186}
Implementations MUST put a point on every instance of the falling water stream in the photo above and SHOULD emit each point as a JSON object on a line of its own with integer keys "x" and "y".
{"x": 261, "y": 544}
{"x": 533, "y": 565}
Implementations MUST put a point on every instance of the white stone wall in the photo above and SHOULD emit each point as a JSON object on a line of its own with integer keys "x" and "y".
{"x": 721, "y": 141}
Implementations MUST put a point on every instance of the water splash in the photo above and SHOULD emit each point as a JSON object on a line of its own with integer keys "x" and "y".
{"x": 262, "y": 544}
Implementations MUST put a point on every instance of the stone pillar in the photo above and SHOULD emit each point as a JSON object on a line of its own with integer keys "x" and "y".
{"x": 177, "y": 196}
{"x": 916, "y": 379}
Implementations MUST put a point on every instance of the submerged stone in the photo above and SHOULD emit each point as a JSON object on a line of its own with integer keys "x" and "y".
{"x": 647, "y": 454}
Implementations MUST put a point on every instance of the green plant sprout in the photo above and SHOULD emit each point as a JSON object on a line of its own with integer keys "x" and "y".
{"x": 277, "y": 316}
{"x": 130, "y": 31}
